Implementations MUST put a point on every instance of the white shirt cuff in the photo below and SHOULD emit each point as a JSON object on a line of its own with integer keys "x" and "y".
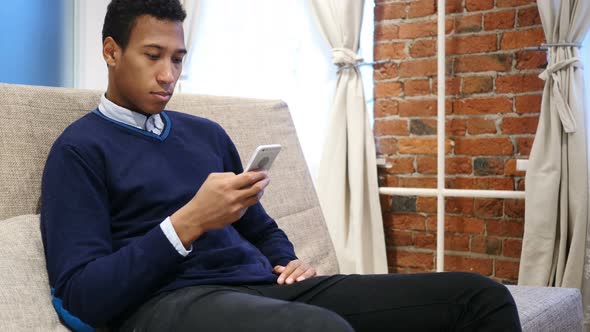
{"x": 170, "y": 233}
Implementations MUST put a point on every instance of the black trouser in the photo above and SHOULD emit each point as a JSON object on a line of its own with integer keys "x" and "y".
{"x": 392, "y": 302}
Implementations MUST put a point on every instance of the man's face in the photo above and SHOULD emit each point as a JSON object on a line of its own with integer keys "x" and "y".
{"x": 143, "y": 76}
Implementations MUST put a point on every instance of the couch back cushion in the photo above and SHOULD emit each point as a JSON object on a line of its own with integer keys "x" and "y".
{"x": 31, "y": 118}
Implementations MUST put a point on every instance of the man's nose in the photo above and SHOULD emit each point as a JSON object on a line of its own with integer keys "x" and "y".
{"x": 166, "y": 74}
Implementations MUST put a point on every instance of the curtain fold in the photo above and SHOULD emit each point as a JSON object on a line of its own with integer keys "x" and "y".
{"x": 190, "y": 24}
{"x": 347, "y": 181}
{"x": 556, "y": 211}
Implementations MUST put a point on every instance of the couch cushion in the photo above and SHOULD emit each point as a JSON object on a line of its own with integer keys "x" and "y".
{"x": 25, "y": 301}
{"x": 548, "y": 308}
{"x": 31, "y": 118}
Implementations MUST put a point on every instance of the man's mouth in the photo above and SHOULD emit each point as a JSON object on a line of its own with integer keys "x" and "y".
{"x": 162, "y": 95}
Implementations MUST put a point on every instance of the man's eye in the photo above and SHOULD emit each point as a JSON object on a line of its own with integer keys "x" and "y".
{"x": 177, "y": 60}
{"x": 152, "y": 56}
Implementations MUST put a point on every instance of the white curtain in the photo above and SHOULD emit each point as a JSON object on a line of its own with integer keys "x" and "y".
{"x": 347, "y": 180}
{"x": 556, "y": 211}
{"x": 190, "y": 25}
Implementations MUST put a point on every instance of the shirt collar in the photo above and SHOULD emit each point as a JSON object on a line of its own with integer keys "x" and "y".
{"x": 153, "y": 123}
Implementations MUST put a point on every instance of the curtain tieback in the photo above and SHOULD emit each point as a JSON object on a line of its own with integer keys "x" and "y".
{"x": 345, "y": 58}
{"x": 557, "y": 99}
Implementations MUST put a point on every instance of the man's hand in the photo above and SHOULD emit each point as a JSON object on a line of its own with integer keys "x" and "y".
{"x": 295, "y": 271}
{"x": 222, "y": 200}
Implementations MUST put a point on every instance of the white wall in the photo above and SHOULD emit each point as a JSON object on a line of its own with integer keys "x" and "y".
{"x": 90, "y": 70}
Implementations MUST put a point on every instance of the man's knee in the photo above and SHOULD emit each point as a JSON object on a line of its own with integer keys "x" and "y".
{"x": 305, "y": 317}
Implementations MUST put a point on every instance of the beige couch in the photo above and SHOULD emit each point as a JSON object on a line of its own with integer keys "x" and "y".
{"x": 31, "y": 118}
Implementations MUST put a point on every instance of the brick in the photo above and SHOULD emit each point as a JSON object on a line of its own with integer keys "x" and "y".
{"x": 508, "y": 228}
{"x": 423, "y": 127}
{"x": 391, "y": 181}
{"x": 423, "y": 48}
{"x": 403, "y": 203}
{"x": 513, "y": 3}
{"x": 478, "y": 126}
{"x": 408, "y": 222}
{"x": 524, "y": 145}
{"x": 490, "y": 146}
{"x": 385, "y": 200}
{"x": 482, "y": 266}
{"x": 410, "y": 259}
{"x": 423, "y": 107}
{"x": 521, "y": 185}
{"x": 417, "y": 182}
{"x": 528, "y": 104}
{"x": 499, "y": 20}
{"x": 458, "y": 224}
{"x": 531, "y": 60}
{"x": 388, "y": 89}
{"x": 426, "y": 204}
{"x": 390, "y": 11}
{"x": 453, "y": 165}
{"x": 386, "y": 145}
{"x": 471, "y": 44}
{"x": 477, "y": 84}
{"x": 510, "y": 168}
{"x": 454, "y": 6}
{"x": 400, "y": 165}
{"x": 418, "y": 68}
{"x": 456, "y": 127}
{"x": 488, "y": 105}
{"x": 520, "y": 125}
{"x": 428, "y": 28}
{"x": 488, "y": 208}
{"x": 457, "y": 242}
{"x": 512, "y": 248}
{"x": 519, "y": 83}
{"x": 425, "y": 240}
{"x": 514, "y": 208}
{"x": 398, "y": 238}
{"x": 475, "y": 5}
{"x": 479, "y": 63}
{"x": 528, "y": 16}
{"x": 488, "y": 166}
{"x": 417, "y": 87}
{"x": 404, "y": 270}
{"x": 421, "y": 8}
{"x": 417, "y": 29}
{"x": 391, "y": 127}
{"x": 459, "y": 205}
{"x": 486, "y": 245}
{"x": 452, "y": 86}
{"x": 484, "y": 183}
{"x": 507, "y": 269}
{"x": 468, "y": 23}
{"x": 384, "y": 108}
{"x": 458, "y": 165}
{"x": 522, "y": 38}
{"x": 389, "y": 51}
{"x": 384, "y": 71}
{"x": 385, "y": 32}
{"x": 420, "y": 145}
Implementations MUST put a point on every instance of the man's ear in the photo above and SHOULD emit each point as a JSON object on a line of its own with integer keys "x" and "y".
{"x": 110, "y": 51}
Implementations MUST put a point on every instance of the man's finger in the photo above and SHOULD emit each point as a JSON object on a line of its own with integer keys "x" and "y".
{"x": 247, "y": 179}
{"x": 288, "y": 270}
{"x": 295, "y": 274}
{"x": 310, "y": 273}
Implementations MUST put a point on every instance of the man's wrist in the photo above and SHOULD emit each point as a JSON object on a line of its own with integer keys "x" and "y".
{"x": 186, "y": 230}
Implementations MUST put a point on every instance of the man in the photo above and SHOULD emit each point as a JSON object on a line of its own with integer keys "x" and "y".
{"x": 149, "y": 223}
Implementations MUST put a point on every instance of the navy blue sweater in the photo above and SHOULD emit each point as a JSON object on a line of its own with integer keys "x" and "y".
{"x": 107, "y": 187}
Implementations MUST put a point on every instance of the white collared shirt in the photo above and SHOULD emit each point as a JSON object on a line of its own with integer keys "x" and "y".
{"x": 152, "y": 124}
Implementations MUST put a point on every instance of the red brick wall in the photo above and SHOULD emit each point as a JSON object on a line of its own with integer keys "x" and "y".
{"x": 493, "y": 99}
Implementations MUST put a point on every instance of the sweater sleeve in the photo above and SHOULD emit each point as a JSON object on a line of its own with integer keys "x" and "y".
{"x": 89, "y": 280}
{"x": 256, "y": 225}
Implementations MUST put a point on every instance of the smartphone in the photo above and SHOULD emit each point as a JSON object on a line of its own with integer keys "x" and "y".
{"x": 263, "y": 157}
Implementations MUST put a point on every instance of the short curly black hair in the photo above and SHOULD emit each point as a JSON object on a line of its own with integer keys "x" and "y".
{"x": 122, "y": 15}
